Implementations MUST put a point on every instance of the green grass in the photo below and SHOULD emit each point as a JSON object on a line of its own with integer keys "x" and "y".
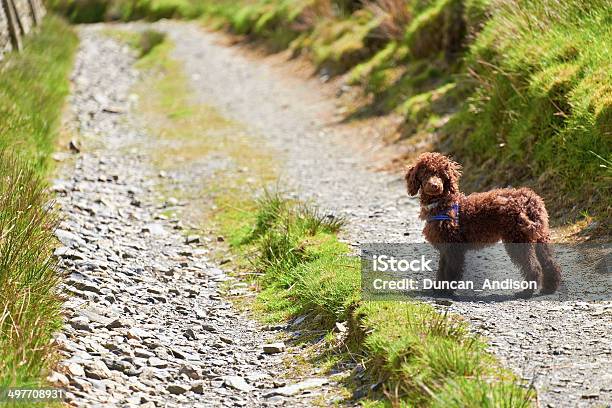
{"x": 91, "y": 11}
{"x": 144, "y": 42}
{"x": 28, "y": 300}
{"x": 33, "y": 85}
{"x": 543, "y": 100}
{"x": 420, "y": 357}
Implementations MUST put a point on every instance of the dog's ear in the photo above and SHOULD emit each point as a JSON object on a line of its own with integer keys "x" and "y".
{"x": 454, "y": 173}
{"x": 412, "y": 183}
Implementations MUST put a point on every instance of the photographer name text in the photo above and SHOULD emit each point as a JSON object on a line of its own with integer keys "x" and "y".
{"x": 385, "y": 263}
{"x": 406, "y": 284}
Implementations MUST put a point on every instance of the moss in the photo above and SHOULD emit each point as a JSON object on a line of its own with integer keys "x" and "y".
{"x": 364, "y": 70}
{"x": 337, "y": 45}
{"x": 439, "y": 29}
{"x": 603, "y": 116}
{"x": 555, "y": 82}
{"x": 419, "y": 107}
{"x": 595, "y": 92}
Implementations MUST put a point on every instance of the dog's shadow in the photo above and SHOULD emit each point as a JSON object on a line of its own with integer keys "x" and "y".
{"x": 438, "y": 297}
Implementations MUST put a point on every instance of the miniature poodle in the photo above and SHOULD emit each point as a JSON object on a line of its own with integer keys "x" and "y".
{"x": 482, "y": 219}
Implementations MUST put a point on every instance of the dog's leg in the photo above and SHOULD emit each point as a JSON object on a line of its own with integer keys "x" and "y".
{"x": 524, "y": 256}
{"x": 454, "y": 258}
{"x": 442, "y": 273}
{"x": 551, "y": 270}
{"x": 442, "y": 266}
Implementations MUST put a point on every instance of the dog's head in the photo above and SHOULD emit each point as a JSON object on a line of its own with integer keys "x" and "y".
{"x": 434, "y": 174}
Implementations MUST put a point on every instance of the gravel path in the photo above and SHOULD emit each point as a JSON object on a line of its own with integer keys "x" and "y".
{"x": 564, "y": 348}
{"x": 146, "y": 325}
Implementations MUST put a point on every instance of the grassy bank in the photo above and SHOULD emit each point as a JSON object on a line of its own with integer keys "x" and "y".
{"x": 518, "y": 91}
{"x": 415, "y": 355}
{"x": 33, "y": 85}
{"x": 91, "y": 11}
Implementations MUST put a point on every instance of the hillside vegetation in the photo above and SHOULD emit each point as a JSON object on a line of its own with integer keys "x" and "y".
{"x": 520, "y": 91}
{"x": 91, "y": 11}
{"x": 33, "y": 85}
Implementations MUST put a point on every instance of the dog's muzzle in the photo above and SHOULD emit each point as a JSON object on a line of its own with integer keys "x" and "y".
{"x": 433, "y": 186}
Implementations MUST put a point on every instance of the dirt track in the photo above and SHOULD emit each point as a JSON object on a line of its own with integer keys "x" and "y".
{"x": 146, "y": 323}
{"x": 563, "y": 347}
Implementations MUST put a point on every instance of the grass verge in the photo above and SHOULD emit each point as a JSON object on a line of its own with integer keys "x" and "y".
{"x": 29, "y": 303}
{"x": 91, "y": 11}
{"x": 541, "y": 107}
{"x": 414, "y": 355}
{"x": 33, "y": 85}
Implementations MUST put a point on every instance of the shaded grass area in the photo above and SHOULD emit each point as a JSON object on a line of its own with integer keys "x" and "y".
{"x": 415, "y": 355}
{"x": 518, "y": 91}
{"x": 33, "y": 85}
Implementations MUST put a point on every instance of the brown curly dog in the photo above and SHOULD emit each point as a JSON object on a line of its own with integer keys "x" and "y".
{"x": 481, "y": 219}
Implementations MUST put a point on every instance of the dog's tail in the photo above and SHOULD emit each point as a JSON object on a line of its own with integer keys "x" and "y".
{"x": 533, "y": 219}
{"x": 550, "y": 269}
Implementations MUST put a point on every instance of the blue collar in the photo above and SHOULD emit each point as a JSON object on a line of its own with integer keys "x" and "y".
{"x": 445, "y": 216}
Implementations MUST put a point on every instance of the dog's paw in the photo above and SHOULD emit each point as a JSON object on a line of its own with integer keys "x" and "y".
{"x": 549, "y": 289}
{"x": 445, "y": 293}
{"x": 524, "y": 294}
